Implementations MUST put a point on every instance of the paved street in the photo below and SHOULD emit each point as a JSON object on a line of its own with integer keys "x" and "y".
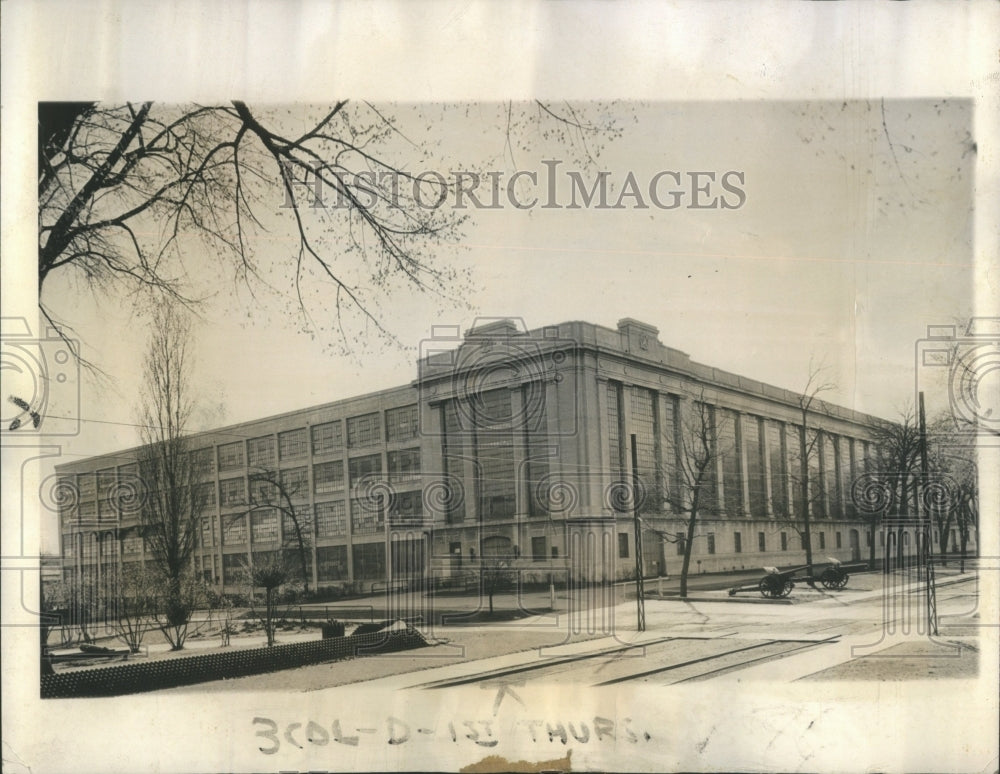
{"x": 816, "y": 635}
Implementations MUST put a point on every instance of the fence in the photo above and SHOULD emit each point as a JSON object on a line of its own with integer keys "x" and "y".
{"x": 188, "y": 670}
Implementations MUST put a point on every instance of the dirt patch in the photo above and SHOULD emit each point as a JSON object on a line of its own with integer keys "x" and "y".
{"x": 918, "y": 660}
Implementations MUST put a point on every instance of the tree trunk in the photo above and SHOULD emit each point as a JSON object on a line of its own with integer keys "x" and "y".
{"x": 685, "y": 566}
{"x": 269, "y": 616}
{"x": 804, "y": 474}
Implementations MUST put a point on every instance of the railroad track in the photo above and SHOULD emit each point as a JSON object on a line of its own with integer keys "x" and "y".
{"x": 586, "y": 668}
{"x": 739, "y": 663}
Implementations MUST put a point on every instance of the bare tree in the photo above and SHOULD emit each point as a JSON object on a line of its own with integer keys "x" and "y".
{"x": 495, "y": 574}
{"x": 126, "y": 190}
{"x": 276, "y": 491}
{"x": 690, "y": 481}
{"x": 171, "y": 512}
{"x": 808, "y": 451}
{"x": 952, "y": 495}
{"x": 136, "y": 604}
{"x": 897, "y": 455}
{"x": 270, "y": 571}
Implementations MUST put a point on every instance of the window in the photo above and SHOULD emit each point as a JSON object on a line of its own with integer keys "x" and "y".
{"x": 408, "y": 505}
{"x": 369, "y": 561}
{"x": 88, "y": 512}
{"x": 732, "y": 477}
{"x": 711, "y": 543}
{"x": 784, "y": 541}
{"x": 260, "y": 452}
{"x": 234, "y": 531}
{"x": 555, "y": 552}
{"x": 328, "y": 477}
{"x": 295, "y": 483}
{"x": 403, "y": 465}
{"x": 622, "y": 545}
{"x": 263, "y": 490}
{"x": 106, "y": 480}
{"x": 87, "y": 485}
{"x": 231, "y": 455}
{"x": 538, "y": 549}
{"x": 738, "y": 542}
{"x": 203, "y": 462}
{"x": 364, "y": 430}
{"x": 264, "y": 526}
{"x": 367, "y": 515}
{"x": 753, "y": 440}
{"x": 644, "y": 425}
{"x": 616, "y": 449}
{"x": 292, "y": 444}
{"x": 822, "y": 540}
{"x": 233, "y": 568}
{"x": 455, "y": 550}
{"x": 494, "y": 450}
{"x": 205, "y": 495}
{"x": 232, "y": 491}
{"x": 681, "y": 543}
{"x": 302, "y": 517}
{"x": 839, "y": 540}
{"x": 207, "y": 531}
{"x": 401, "y": 423}
{"x": 802, "y": 541}
{"x": 328, "y": 437}
{"x": 331, "y": 563}
{"x": 364, "y": 466}
{"x": 761, "y": 542}
{"x": 331, "y": 519}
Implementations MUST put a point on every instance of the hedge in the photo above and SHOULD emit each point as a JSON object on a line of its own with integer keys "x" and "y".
{"x": 188, "y": 670}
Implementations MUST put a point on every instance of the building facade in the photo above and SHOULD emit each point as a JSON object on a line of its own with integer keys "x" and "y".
{"x": 509, "y": 446}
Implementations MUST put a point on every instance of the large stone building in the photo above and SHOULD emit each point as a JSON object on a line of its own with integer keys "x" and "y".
{"x": 511, "y": 444}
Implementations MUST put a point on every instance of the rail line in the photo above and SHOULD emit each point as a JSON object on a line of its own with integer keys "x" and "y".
{"x": 801, "y": 644}
{"x": 545, "y": 664}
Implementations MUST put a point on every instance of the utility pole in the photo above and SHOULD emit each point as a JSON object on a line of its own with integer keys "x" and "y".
{"x": 639, "y": 591}
{"x": 925, "y": 524}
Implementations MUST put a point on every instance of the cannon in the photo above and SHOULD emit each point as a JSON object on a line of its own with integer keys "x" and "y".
{"x": 779, "y": 583}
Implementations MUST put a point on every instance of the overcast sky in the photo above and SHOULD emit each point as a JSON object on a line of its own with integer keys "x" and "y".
{"x": 854, "y": 235}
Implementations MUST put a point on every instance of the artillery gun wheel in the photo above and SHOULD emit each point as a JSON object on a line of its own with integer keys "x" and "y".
{"x": 775, "y": 587}
{"x": 834, "y": 579}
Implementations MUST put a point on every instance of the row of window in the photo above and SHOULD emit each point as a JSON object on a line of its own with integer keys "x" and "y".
{"x": 395, "y": 425}
{"x": 400, "y": 425}
{"x": 680, "y": 541}
{"x": 764, "y": 451}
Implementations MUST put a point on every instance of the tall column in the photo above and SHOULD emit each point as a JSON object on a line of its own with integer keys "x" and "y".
{"x": 764, "y": 433}
{"x": 521, "y": 494}
{"x": 824, "y": 484}
{"x": 720, "y": 469}
{"x": 838, "y": 484}
{"x": 601, "y": 481}
{"x": 742, "y": 464}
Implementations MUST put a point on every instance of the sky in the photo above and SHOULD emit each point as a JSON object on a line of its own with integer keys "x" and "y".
{"x": 845, "y": 249}
{"x": 852, "y": 234}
